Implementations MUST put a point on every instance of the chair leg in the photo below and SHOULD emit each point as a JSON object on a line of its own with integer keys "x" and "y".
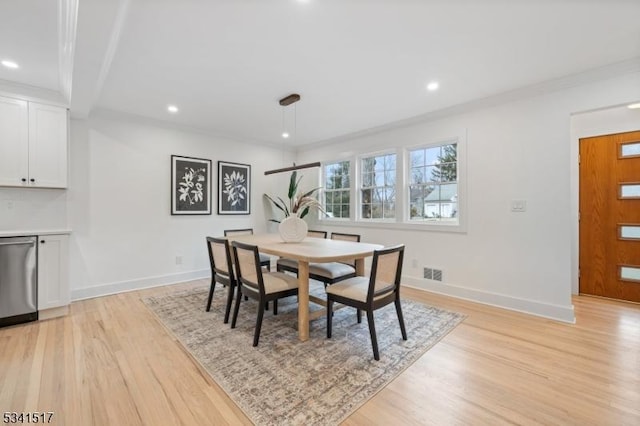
{"x": 329, "y": 317}
{"x": 213, "y": 286}
{"x": 237, "y": 308}
{"x": 266, "y": 305}
{"x": 256, "y": 334}
{"x": 374, "y": 339}
{"x": 275, "y": 306}
{"x": 401, "y": 320}
{"x": 227, "y": 310}
{"x": 359, "y": 315}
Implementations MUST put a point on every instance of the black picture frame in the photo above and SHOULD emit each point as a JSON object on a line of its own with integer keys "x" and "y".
{"x": 190, "y": 185}
{"x": 234, "y": 188}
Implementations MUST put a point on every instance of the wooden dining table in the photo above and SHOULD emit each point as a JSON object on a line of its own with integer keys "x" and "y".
{"x": 310, "y": 250}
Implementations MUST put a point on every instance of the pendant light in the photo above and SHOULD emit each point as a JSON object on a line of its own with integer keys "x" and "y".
{"x": 284, "y": 102}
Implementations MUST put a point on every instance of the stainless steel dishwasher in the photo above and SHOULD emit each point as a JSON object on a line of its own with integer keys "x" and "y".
{"x": 18, "y": 280}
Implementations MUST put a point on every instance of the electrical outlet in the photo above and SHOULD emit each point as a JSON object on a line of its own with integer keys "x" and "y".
{"x": 178, "y": 260}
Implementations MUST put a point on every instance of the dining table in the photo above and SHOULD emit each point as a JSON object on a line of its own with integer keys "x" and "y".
{"x": 310, "y": 250}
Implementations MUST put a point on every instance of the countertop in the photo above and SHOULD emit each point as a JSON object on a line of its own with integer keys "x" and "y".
{"x": 30, "y": 232}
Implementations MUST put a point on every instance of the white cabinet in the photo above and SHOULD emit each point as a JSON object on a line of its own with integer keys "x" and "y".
{"x": 53, "y": 271}
{"x": 33, "y": 144}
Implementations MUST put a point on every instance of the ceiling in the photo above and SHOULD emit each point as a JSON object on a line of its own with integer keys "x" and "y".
{"x": 356, "y": 64}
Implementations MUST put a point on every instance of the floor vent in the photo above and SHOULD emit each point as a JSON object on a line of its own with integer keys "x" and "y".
{"x": 433, "y": 274}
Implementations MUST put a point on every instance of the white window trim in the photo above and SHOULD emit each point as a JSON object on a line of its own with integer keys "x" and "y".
{"x": 402, "y": 221}
{"x": 357, "y": 181}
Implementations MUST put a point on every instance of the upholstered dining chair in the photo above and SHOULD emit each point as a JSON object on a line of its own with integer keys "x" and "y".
{"x": 381, "y": 288}
{"x": 221, "y": 271}
{"x": 259, "y": 284}
{"x": 265, "y": 260}
{"x": 328, "y": 273}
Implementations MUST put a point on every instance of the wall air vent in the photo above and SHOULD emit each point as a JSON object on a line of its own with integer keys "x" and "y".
{"x": 433, "y": 274}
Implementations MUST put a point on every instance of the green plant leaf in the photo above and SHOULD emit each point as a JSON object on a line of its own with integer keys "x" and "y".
{"x": 285, "y": 209}
{"x": 293, "y": 185}
{"x": 282, "y": 206}
{"x": 304, "y": 212}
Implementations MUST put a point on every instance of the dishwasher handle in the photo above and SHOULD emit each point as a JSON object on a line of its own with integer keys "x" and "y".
{"x": 17, "y": 242}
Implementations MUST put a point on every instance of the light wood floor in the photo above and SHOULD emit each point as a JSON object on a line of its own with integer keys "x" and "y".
{"x": 111, "y": 363}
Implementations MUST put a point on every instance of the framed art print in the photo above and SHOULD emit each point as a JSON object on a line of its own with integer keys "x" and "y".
{"x": 190, "y": 185}
{"x": 234, "y": 188}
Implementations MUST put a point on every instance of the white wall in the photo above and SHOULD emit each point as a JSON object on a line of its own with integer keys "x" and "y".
{"x": 123, "y": 235}
{"x": 32, "y": 209}
{"x": 518, "y": 150}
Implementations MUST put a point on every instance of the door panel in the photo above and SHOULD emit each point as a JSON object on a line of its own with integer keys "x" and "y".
{"x": 610, "y": 216}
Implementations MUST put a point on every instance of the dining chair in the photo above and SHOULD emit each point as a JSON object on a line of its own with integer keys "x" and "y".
{"x": 381, "y": 288}
{"x": 328, "y": 273}
{"x": 221, "y": 271}
{"x": 259, "y": 284}
{"x": 264, "y": 259}
{"x": 291, "y": 265}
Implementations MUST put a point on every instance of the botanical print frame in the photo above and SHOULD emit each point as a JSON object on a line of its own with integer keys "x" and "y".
{"x": 234, "y": 188}
{"x": 190, "y": 185}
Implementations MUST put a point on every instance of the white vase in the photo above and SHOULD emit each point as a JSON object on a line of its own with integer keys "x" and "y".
{"x": 293, "y": 229}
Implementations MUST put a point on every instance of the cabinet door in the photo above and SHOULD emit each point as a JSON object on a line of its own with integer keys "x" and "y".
{"x": 53, "y": 271}
{"x": 47, "y": 146}
{"x": 14, "y": 148}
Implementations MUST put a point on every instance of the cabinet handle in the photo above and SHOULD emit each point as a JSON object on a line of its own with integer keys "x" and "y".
{"x": 24, "y": 179}
{"x": 32, "y": 180}
{"x": 42, "y": 241}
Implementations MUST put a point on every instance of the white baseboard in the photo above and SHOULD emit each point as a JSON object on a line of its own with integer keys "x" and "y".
{"x": 123, "y": 286}
{"x": 546, "y": 310}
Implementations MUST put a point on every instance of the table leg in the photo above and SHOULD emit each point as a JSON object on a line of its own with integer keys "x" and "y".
{"x": 360, "y": 267}
{"x": 303, "y": 300}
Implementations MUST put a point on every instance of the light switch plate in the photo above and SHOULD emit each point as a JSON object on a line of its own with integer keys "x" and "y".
{"x": 518, "y": 206}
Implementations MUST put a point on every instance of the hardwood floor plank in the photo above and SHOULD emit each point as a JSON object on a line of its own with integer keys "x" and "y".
{"x": 110, "y": 361}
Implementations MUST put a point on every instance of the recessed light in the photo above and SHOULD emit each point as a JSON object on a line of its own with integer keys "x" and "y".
{"x": 285, "y": 135}
{"x": 433, "y": 86}
{"x": 9, "y": 64}
{"x": 172, "y": 109}
{"x": 634, "y": 106}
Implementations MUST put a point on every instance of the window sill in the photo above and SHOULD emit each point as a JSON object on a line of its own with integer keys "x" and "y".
{"x": 424, "y": 227}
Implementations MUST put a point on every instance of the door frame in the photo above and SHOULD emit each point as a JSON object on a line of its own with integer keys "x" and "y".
{"x": 605, "y": 121}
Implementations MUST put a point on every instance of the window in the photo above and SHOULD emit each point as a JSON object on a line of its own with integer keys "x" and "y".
{"x": 433, "y": 184}
{"x": 378, "y": 187}
{"x": 337, "y": 189}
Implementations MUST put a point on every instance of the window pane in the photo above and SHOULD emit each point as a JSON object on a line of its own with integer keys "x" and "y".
{"x": 345, "y": 210}
{"x": 630, "y": 273}
{"x": 390, "y": 162}
{"x": 390, "y": 178}
{"x": 366, "y": 196}
{"x": 345, "y": 197}
{"x": 432, "y": 155}
{"x": 417, "y": 175}
{"x": 432, "y": 174}
{"x": 389, "y": 210}
{"x": 416, "y": 158}
{"x": 379, "y": 179}
{"x": 376, "y": 210}
{"x": 367, "y": 179}
{"x": 631, "y": 232}
{"x": 329, "y": 197}
{"x": 629, "y": 190}
{"x": 366, "y": 211}
{"x": 378, "y": 164}
{"x": 630, "y": 149}
{"x": 367, "y": 164}
{"x": 416, "y": 210}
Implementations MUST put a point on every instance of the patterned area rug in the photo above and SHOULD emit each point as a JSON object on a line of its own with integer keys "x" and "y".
{"x": 286, "y": 382}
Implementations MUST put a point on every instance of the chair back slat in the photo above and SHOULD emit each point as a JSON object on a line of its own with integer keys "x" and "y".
{"x": 316, "y": 234}
{"x": 386, "y": 271}
{"x": 219, "y": 251}
{"x": 346, "y": 237}
{"x": 234, "y": 232}
{"x": 220, "y": 257}
{"x": 248, "y": 265}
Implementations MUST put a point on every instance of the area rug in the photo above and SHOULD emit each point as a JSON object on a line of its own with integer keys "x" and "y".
{"x": 287, "y": 382}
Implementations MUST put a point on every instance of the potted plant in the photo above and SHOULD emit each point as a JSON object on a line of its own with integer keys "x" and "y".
{"x": 292, "y": 228}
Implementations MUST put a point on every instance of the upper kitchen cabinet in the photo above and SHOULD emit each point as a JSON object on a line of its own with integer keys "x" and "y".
{"x": 33, "y": 144}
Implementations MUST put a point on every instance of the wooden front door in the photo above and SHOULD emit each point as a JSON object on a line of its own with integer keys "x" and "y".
{"x": 610, "y": 216}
